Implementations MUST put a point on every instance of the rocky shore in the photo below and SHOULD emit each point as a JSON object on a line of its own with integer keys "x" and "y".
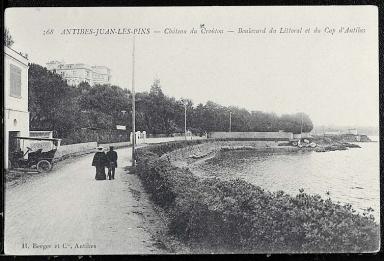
{"x": 211, "y": 215}
{"x": 195, "y": 154}
{"x": 333, "y": 143}
{"x": 190, "y": 155}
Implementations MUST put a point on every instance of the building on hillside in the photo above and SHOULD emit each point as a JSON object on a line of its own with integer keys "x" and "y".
{"x": 303, "y": 135}
{"x": 80, "y": 72}
{"x": 331, "y": 133}
{"x": 352, "y": 131}
{"x": 16, "y": 114}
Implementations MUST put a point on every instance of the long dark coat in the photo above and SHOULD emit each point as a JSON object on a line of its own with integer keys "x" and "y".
{"x": 112, "y": 157}
{"x": 100, "y": 161}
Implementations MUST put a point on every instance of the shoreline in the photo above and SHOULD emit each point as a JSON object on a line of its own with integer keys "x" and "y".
{"x": 185, "y": 197}
{"x": 194, "y": 162}
{"x": 197, "y": 154}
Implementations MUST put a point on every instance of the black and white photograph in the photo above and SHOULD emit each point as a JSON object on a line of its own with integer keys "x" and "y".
{"x": 191, "y": 130}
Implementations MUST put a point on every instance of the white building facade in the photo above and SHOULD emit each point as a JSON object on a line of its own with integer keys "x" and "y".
{"x": 16, "y": 115}
{"x": 352, "y": 131}
{"x": 76, "y": 73}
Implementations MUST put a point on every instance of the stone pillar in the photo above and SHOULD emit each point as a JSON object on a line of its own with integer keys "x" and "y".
{"x": 138, "y": 140}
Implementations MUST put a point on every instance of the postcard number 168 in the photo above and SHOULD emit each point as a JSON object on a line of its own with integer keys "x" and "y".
{"x": 48, "y": 32}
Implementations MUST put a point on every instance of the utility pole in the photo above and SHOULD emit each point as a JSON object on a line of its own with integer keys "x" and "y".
{"x": 301, "y": 128}
{"x": 185, "y": 120}
{"x": 230, "y": 121}
{"x": 133, "y": 105}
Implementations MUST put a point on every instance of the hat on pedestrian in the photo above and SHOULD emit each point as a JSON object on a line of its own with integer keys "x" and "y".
{"x": 111, "y": 147}
{"x": 100, "y": 148}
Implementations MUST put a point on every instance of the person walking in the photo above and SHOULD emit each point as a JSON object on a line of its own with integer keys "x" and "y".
{"x": 100, "y": 161}
{"x": 112, "y": 162}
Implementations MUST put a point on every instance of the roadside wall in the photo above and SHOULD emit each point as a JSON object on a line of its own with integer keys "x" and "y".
{"x": 100, "y": 136}
{"x": 177, "y": 138}
{"x": 65, "y": 151}
{"x": 252, "y": 135}
{"x": 79, "y": 148}
{"x": 116, "y": 145}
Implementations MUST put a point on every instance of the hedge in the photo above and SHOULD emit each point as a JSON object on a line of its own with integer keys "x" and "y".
{"x": 236, "y": 216}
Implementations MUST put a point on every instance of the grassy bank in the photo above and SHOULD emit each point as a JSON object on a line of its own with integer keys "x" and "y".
{"x": 235, "y": 216}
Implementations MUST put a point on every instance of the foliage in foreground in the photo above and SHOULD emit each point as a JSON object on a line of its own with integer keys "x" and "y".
{"x": 238, "y": 216}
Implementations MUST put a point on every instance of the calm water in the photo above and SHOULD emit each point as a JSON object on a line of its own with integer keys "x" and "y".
{"x": 350, "y": 176}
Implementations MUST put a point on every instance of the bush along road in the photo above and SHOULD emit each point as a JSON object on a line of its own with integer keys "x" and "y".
{"x": 215, "y": 216}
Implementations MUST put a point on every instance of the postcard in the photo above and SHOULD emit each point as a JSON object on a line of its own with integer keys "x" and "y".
{"x": 189, "y": 130}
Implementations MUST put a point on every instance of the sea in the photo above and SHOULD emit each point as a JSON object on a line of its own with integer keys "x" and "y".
{"x": 348, "y": 177}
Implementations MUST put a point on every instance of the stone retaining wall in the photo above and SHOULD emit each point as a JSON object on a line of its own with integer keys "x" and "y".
{"x": 75, "y": 149}
{"x": 66, "y": 151}
{"x": 116, "y": 145}
{"x": 252, "y": 135}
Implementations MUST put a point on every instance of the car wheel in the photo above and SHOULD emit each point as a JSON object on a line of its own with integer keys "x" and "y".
{"x": 44, "y": 166}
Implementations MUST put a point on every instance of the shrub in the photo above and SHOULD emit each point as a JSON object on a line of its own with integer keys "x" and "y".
{"x": 238, "y": 216}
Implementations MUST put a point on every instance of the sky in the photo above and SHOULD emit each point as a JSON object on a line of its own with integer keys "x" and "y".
{"x": 331, "y": 77}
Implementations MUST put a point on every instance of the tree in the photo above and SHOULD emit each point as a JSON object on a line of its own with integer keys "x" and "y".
{"x": 104, "y": 100}
{"x": 159, "y": 110}
{"x": 156, "y": 89}
{"x": 84, "y": 87}
{"x": 8, "y": 40}
{"x": 54, "y": 105}
{"x": 296, "y": 123}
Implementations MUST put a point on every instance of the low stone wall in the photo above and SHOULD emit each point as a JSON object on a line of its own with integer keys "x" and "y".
{"x": 168, "y": 139}
{"x": 100, "y": 136}
{"x": 66, "y": 151}
{"x": 75, "y": 149}
{"x": 185, "y": 156}
{"x": 252, "y": 135}
{"x": 116, "y": 145}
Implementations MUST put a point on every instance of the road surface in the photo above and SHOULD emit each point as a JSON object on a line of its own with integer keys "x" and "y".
{"x": 68, "y": 212}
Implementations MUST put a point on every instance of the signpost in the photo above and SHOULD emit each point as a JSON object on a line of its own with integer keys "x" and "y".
{"x": 185, "y": 120}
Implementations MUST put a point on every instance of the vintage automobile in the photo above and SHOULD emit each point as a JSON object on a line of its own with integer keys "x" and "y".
{"x": 36, "y": 159}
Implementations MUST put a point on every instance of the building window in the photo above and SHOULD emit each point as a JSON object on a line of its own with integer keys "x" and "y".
{"x": 15, "y": 81}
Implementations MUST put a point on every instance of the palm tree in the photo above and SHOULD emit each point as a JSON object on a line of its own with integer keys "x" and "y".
{"x": 8, "y": 40}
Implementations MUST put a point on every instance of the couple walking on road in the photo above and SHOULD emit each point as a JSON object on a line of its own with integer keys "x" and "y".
{"x": 102, "y": 160}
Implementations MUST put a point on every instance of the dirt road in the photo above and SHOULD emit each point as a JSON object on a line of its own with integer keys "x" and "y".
{"x": 69, "y": 212}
